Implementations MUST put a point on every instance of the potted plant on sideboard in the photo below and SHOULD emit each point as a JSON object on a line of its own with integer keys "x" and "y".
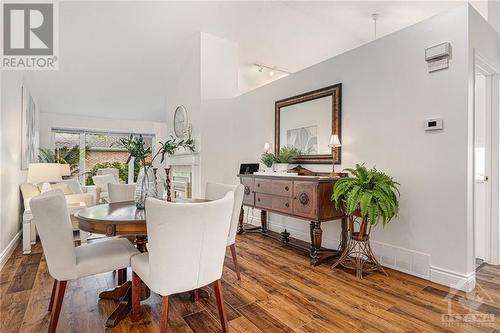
{"x": 285, "y": 156}
{"x": 268, "y": 160}
{"x": 367, "y": 197}
{"x": 146, "y": 180}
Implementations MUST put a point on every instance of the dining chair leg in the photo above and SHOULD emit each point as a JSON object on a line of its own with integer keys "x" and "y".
{"x": 235, "y": 261}
{"x": 58, "y": 300}
{"x": 196, "y": 295}
{"x": 122, "y": 276}
{"x": 52, "y": 295}
{"x": 135, "y": 314}
{"x": 220, "y": 306}
{"x": 164, "y": 315}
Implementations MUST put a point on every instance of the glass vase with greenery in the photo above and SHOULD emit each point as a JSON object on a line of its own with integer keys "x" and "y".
{"x": 146, "y": 180}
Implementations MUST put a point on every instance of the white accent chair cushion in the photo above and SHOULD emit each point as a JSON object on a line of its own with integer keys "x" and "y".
{"x": 104, "y": 256}
{"x": 215, "y": 191}
{"x": 204, "y": 226}
{"x": 65, "y": 262}
{"x": 120, "y": 192}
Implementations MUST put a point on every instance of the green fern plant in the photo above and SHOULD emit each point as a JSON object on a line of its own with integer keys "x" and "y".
{"x": 287, "y": 154}
{"x": 267, "y": 159}
{"x": 370, "y": 192}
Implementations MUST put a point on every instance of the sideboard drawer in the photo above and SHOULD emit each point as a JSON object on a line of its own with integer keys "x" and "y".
{"x": 248, "y": 195}
{"x": 263, "y": 200}
{"x": 282, "y": 204}
{"x": 305, "y": 199}
{"x": 282, "y": 188}
{"x": 263, "y": 186}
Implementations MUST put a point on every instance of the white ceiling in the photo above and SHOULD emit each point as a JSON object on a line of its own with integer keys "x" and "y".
{"x": 114, "y": 56}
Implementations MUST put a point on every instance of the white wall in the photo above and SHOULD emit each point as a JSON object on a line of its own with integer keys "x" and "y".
{"x": 11, "y": 175}
{"x": 219, "y": 67}
{"x": 208, "y": 99}
{"x": 387, "y": 95}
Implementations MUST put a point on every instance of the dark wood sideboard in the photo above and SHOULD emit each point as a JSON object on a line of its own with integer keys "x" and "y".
{"x": 303, "y": 197}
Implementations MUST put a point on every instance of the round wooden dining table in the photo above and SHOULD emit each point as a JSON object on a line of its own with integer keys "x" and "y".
{"x": 120, "y": 219}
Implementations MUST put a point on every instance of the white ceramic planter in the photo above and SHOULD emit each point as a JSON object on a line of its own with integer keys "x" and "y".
{"x": 281, "y": 167}
{"x": 268, "y": 169}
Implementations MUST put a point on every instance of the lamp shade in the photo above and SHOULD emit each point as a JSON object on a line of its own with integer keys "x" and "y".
{"x": 65, "y": 170}
{"x": 334, "y": 141}
{"x": 44, "y": 172}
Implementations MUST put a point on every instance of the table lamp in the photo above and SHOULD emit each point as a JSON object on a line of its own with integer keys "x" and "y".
{"x": 44, "y": 173}
{"x": 334, "y": 143}
{"x": 65, "y": 170}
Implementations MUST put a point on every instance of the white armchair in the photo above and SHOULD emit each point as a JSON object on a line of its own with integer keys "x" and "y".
{"x": 74, "y": 196}
{"x": 165, "y": 269}
{"x": 215, "y": 191}
{"x": 66, "y": 262}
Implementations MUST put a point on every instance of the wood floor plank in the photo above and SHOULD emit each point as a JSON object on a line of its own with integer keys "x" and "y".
{"x": 25, "y": 274}
{"x": 203, "y": 322}
{"x": 243, "y": 325}
{"x": 263, "y": 320}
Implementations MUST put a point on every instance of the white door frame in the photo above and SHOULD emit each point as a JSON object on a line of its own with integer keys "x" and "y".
{"x": 492, "y": 168}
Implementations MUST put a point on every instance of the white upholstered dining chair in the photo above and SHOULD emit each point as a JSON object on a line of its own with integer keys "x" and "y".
{"x": 120, "y": 192}
{"x": 101, "y": 186}
{"x": 168, "y": 270}
{"x": 214, "y": 191}
{"x": 64, "y": 260}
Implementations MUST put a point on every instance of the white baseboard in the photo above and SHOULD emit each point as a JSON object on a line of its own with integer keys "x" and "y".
{"x": 5, "y": 255}
{"x": 401, "y": 259}
{"x": 464, "y": 282}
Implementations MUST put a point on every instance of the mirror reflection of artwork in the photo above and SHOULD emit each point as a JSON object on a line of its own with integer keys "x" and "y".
{"x": 303, "y": 138}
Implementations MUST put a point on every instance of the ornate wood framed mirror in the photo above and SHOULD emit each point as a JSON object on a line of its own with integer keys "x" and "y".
{"x": 307, "y": 122}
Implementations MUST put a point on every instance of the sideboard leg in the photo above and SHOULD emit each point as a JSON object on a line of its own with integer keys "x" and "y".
{"x": 263, "y": 220}
{"x": 317, "y": 238}
{"x": 240, "y": 221}
{"x": 311, "y": 230}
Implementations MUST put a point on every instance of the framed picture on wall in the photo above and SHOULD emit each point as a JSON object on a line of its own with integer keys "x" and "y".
{"x": 29, "y": 129}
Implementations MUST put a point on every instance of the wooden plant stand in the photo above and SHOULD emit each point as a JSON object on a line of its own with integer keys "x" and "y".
{"x": 358, "y": 254}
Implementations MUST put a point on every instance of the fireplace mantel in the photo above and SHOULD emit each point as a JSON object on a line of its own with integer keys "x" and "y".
{"x": 187, "y": 162}
{"x": 184, "y": 159}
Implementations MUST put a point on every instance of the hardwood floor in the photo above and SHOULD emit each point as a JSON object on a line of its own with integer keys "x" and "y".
{"x": 279, "y": 292}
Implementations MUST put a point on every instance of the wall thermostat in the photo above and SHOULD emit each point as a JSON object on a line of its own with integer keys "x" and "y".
{"x": 434, "y": 124}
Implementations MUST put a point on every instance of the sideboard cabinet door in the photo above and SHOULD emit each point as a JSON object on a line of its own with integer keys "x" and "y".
{"x": 305, "y": 199}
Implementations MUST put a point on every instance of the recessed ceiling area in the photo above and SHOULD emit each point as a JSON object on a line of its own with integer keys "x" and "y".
{"x": 116, "y": 58}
